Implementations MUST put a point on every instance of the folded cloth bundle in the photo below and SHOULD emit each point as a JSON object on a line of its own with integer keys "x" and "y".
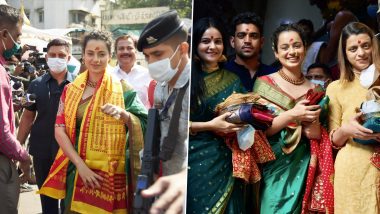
{"x": 318, "y": 97}
{"x": 291, "y": 135}
{"x": 371, "y": 114}
{"x": 371, "y": 120}
{"x": 319, "y": 192}
{"x": 372, "y": 123}
{"x": 247, "y": 109}
{"x": 314, "y": 96}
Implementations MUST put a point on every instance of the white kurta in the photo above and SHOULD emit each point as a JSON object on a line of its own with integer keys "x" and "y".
{"x": 139, "y": 78}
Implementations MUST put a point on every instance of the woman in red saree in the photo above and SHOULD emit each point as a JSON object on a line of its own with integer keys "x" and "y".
{"x": 96, "y": 165}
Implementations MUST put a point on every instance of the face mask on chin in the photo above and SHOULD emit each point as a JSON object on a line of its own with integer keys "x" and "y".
{"x": 318, "y": 82}
{"x": 368, "y": 76}
{"x": 7, "y": 54}
{"x": 12, "y": 68}
{"x": 162, "y": 70}
{"x": 57, "y": 65}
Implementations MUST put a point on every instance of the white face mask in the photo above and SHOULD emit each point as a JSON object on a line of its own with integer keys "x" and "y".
{"x": 245, "y": 137}
{"x": 368, "y": 76}
{"x": 12, "y": 68}
{"x": 318, "y": 82}
{"x": 57, "y": 65}
{"x": 161, "y": 70}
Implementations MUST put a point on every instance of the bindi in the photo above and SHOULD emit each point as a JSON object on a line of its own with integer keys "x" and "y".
{"x": 291, "y": 40}
{"x": 97, "y": 48}
{"x": 359, "y": 41}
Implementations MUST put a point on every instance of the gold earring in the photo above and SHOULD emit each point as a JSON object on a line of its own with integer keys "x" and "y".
{"x": 222, "y": 58}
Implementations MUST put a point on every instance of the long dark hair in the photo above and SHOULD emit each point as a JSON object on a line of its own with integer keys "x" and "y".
{"x": 355, "y": 28}
{"x": 198, "y": 88}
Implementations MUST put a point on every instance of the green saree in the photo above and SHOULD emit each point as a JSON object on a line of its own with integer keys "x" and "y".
{"x": 284, "y": 179}
{"x": 211, "y": 187}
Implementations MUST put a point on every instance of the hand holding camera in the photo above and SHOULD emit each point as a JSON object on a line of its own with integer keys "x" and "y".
{"x": 19, "y": 97}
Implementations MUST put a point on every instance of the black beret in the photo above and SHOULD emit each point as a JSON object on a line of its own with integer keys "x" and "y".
{"x": 159, "y": 29}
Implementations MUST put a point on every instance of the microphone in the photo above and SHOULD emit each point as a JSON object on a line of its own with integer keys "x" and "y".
{"x": 28, "y": 100}
{"x": 16, "y": 87}
{"x": 32, "y": 97}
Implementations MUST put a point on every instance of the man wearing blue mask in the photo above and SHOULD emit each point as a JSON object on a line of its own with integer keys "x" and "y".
{"x": 10, "y": 148}
{"x": 39, "y": 118}
{"x": 163, "y": 41}
{"x": 319, "y": 74}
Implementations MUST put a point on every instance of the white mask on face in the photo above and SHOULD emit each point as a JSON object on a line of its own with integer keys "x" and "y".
{"x": 57, "y": 65}
{"x": 11, "y": 68}
{"x": 318, "y": 82}
{"x": 161, "y": 70}
{"x": 368, "y": 76}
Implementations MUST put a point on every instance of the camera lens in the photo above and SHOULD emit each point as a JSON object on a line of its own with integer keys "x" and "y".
{"x": 31, "y": 69}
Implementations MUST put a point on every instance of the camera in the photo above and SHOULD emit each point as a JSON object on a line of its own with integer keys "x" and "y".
{"x": 34, "y": 65}
{"x": 38, "y": 61}
{"x": 25, "y": 100}
{"x": 28, "y": 67}
{"x": 20, "y": 98}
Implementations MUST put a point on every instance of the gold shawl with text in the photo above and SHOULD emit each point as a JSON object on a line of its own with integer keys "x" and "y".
{"x": 101, "y": 144}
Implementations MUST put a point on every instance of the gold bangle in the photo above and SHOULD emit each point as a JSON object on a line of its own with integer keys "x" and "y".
{"x": 332, "y": 142}
{"x": 190, "y": 128}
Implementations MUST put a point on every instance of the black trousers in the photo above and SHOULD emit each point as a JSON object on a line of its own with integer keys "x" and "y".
{"x": 41, "y": 169}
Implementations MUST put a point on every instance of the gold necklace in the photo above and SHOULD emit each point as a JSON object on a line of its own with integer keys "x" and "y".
{"x": 298, "y": 81}
{"x": 209, "y": 69}
{"x": 91, "y": 84}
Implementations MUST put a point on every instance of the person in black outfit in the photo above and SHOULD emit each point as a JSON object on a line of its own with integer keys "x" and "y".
{"x": 247, "y": 39}
{"x": 38, "y": 119}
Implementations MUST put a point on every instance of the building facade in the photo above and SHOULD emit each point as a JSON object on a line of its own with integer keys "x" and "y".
{"x": 47, "y": 14}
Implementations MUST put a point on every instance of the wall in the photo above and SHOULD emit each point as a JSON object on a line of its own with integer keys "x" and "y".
{"x": 56, "y": 12}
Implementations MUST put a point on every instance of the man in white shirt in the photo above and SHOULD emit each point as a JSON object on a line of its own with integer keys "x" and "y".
{"x": 128, "y": 70}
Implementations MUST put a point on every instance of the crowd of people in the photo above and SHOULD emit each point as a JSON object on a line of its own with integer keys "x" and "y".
{"x": 317, "y": 153}
{"x": 324, "y": 162}
{"x": 86, "y": 132}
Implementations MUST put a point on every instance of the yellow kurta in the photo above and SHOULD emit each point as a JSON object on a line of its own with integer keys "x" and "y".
{"x": 356, "y": 183}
